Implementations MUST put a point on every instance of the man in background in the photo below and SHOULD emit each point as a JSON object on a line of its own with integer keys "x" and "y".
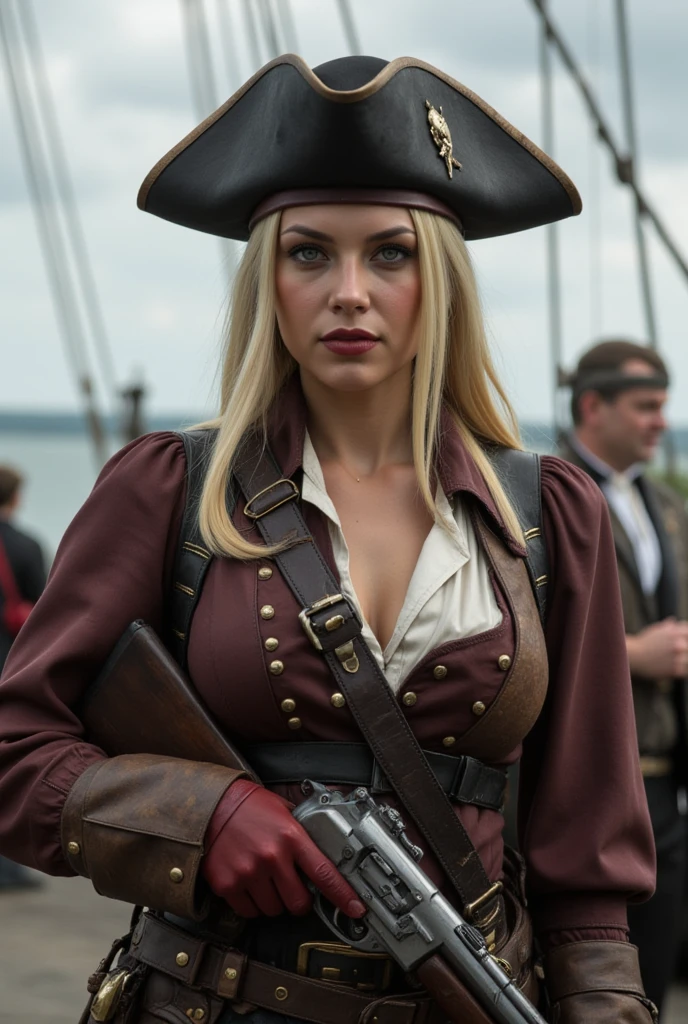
{"x": 619, "y": 391}
{"x": 24, "y": 558}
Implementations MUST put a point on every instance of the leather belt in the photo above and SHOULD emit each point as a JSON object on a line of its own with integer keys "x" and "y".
{"x": 228, "y": 974}
{"x": 463, "y": 779}
{"x": 655, "y": 767}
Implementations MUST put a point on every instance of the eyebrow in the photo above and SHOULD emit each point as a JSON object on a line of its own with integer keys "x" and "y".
{"x": 301, "y": 229}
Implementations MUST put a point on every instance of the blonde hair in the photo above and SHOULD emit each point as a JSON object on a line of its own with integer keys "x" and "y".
{"x": 453, "y": 366}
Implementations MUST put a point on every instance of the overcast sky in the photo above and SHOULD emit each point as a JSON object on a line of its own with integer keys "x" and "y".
{"x": 120, "y": 79}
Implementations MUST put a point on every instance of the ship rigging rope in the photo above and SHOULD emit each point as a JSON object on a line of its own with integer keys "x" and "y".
{"x": 624, "y": 169}
{"x": 49, "y": 233}
{"x": 65, "y": 191}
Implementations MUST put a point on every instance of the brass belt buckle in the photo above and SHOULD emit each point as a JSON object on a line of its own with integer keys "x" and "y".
{"x": 333, "y": 974}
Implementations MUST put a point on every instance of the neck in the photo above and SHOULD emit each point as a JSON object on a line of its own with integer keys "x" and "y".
{"x": 362, "y": 430}
{"x": 594, "y": 444}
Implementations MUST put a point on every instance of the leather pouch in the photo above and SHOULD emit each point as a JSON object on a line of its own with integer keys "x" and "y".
{"x": 167, "y": 999}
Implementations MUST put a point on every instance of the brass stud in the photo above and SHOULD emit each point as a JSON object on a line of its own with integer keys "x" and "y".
{"x": 276, "y": 668}
{"x": 189, "y": 1013}
{"x": 267, "y": 612}
{"x": 478, "y": 708}
{"x": 334, "y": 623}
{"x": 230, "y": 974}
{"x": 440, "y": 671}
{"x": 338, "y": 700}
{"x": 73, "y": 848}
{"x": 182, "y": 959}
{"x": 409, "y": 699}
{"x": 199, "y": 1014}
{"x": 281, "y": 993}
{"x": 271, "y": 644}
{"x": 294, "y": 723}
{"x": 265, "y": 573}
{"x": 177, "y": 875}
{"x": 504, "y": 662}
{"x": 449, "y": 741}
{"x": 288, "y": 705}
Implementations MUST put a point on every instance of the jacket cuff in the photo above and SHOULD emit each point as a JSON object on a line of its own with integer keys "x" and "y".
{"x": 135, "y": 825}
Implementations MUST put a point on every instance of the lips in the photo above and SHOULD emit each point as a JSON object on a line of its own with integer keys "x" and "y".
{"x": 348, "y": 341}
{"x": 349, "y": 334}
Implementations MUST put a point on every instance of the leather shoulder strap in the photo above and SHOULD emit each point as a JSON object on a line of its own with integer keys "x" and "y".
{"x": 519, "y": 475}
{"x": 333, "y": 627}
{"x": 193, "y": 558}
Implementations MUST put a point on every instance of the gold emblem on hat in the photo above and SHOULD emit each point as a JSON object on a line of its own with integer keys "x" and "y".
{"x": 441, "y": 136}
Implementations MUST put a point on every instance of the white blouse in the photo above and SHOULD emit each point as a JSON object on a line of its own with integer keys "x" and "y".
{"x": 449, "y": 596}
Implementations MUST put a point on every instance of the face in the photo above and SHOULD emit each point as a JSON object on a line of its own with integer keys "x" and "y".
{"x": 348, "y": 293}
{"x": 631, "y": 426}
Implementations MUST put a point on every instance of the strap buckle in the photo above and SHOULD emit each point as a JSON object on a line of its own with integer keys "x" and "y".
{"x": 472, "y": 908}
{"x": 337, "y": 964}
{"x": 334, "y": 623}
{"x": 280, "y": 499}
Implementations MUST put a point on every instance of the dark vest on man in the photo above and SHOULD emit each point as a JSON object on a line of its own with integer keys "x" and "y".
{"x": 660, "y": 704}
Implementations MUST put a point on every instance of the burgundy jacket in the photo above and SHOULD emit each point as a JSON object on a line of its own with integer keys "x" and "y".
{"x": 585, "y": 831}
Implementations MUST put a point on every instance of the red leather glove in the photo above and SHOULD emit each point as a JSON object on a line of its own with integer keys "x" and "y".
{"x": 253, "y": 849}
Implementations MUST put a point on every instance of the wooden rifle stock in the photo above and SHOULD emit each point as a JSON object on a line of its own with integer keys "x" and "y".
{"x": 142, "y": 703}
{"x": 437, "y": 977}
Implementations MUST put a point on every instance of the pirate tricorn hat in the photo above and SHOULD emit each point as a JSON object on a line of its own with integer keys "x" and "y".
{"x": 357, "y": 129}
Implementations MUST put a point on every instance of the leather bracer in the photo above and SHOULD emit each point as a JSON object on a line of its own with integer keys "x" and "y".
{"x": 596, "y": 983}
{"x": 135, "y": 825}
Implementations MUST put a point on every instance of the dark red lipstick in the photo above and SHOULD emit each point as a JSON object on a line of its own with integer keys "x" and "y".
{"x": 346, "y": 341}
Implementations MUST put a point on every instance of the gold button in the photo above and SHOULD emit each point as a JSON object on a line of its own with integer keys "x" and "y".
{"x": 409, "y": 699}
{"x": 281, "y": 992}
{"x": 440, "y": 671}
{"x": 271, "y": 644}
{"x": 288, "y": 705}
{"x": 73, "y": 848}
{"x": 267, "y": 612}
{"x": 176, "y": 874}
{"x": 338, "y": 700}
{"x": 479, "y": 708}
{"x": 182, "y": 959}
{"x": 449, "y": 741}
{"x": 230, "y": 974}
{"x": 265, "y": 573}
{"x": 199, "y": 1014}
{"x": 294, "y": 723}
{"x": 277, "y": 668}
{"x": 504, "y": 662}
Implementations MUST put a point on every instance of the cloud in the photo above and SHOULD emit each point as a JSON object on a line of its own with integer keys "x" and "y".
{"x": 120, "y": 78}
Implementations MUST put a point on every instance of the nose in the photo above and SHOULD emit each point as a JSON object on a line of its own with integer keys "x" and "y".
{"x": 349, "y": 292}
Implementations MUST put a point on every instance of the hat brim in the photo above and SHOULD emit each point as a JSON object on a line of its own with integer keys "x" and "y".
{"x": 286, "y": 129}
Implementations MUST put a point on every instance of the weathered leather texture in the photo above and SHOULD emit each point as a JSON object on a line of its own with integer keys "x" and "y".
{"x": 517, "y": 707}
{"x": 595, "y": 983}
{"x": 219, "y": 972}
{"x": 130, "y": 820}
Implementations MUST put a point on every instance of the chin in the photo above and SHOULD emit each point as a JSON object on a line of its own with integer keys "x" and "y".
{"x": 350, "y": 377}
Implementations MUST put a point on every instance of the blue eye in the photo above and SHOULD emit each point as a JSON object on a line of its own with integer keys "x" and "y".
{"x": 393, "y": 253}
{"x": 306, "y": 253}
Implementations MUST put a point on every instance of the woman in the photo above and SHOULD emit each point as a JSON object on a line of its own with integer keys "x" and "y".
{"x": 357, "y": 351}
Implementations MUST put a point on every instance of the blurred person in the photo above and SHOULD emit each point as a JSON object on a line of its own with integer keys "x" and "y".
{"x": 618, "y": 400}
{"x": 22, "y": 578}
{"x": 357, "y": 352}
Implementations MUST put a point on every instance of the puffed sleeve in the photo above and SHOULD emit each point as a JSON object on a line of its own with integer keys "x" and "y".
{"x": 583, "y": 820}
{"x": 111, "y": 568}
